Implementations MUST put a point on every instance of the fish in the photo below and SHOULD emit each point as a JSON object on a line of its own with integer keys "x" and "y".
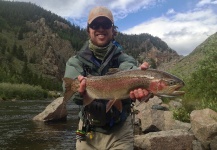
{"x": 117, "y": 86}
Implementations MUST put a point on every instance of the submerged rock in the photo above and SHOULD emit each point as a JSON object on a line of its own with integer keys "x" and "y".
{"x": 55, "y": 111}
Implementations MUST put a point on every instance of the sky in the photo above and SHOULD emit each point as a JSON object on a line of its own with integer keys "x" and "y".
{"x": 182, "y": 24}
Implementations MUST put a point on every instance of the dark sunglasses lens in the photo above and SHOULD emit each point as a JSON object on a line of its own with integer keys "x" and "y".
{"x": 97, "y": 25}
{"x": 107, "y": 25}
{"x": 94, "y": 26}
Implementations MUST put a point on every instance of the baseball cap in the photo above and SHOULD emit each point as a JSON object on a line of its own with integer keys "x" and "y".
{"x": 100, "y": 11}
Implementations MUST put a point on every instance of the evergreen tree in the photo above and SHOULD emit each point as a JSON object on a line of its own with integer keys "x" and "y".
{"x": 33, "y": 58}
{"x": 26, "y": 74}
{"x": 20, "y": 34}
{"x": 20, "y": 54}
{"x": 3, "y": 50}
{"x": 14, "y": 50}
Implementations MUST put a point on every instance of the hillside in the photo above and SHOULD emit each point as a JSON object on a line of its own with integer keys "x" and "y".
{"x": 35, "y": 44}
{"x": 189, "y": 64}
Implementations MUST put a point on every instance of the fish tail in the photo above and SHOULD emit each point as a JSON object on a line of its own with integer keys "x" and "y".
{"x": 71, "y": 87}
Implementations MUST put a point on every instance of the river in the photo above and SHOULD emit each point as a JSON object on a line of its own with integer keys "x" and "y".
{"x": 19, "y": 132}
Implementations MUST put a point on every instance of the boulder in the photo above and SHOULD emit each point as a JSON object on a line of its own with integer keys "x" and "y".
{"x": 152, "y": 120}
{"x": 147, "y": 105}
{"x": 197, "y": 145}
{"x": 55, "y": 111}
{"x": 182, "y": 125}
{"x": 175, "y": 104}
{"x": 204, "y": 126}
{"x": 139, "y": 108}
{"x": 165, "y": 140}
{"x": 169, "y": 122}
{"x": 213, "y": 144}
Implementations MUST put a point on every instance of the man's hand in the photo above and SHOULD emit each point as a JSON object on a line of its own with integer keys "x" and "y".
{"x": 82, "y": 81}
{"x": 144, "y": 66}
{"x": 140, "y": 93}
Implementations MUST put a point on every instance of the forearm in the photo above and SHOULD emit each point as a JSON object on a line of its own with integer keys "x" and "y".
{"x": 127, "y": 62}
{"x": 73, "y": 70}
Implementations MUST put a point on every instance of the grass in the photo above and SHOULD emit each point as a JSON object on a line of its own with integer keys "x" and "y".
{"x": 183, "y": 113}
{"x": 208, "y": 104}
{"x": 21, "y": 91}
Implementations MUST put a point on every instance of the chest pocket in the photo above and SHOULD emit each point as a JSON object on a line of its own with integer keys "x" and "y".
{"x": 90, "y": 70}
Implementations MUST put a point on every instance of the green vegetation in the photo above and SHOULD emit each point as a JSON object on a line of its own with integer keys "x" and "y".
{"x": 14, "y": 68}
{"x": 134, "y": 45}
{"x": 14, "y": 15}
{"x": 21, "y": 91}
{"x": 203, "y": 82}
{"x": 181, "y": 114}
{"x": 201, "y": 86}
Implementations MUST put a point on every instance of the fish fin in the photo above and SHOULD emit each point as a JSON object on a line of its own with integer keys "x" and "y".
{"x": 89, "y": 75}
{"x": 68, "y": 82}
{"x": 71, "y": 87}
{"x": 118, "y": 105}
{"x": 109, "y": 105}
{"x": 68, "y": 95}
{"x": 113, "y": 71}
{"x": 87, "y": 99}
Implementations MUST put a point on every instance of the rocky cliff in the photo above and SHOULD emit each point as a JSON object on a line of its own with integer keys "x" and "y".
{"x": 49, "y": 50}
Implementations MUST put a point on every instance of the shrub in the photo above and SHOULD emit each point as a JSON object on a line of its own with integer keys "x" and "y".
{"x": 181, "y": 114}
{"x": 21, "y": 91}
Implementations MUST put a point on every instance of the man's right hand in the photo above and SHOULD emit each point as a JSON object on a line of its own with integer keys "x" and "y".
{"x": 140, "y": 93}
{"x": 82, "y": 87}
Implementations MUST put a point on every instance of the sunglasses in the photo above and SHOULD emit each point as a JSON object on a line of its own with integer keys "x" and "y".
{"x": 96, "y": 25}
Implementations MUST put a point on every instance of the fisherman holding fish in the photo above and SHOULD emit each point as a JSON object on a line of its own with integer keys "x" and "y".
{"x": 97, "y": 128}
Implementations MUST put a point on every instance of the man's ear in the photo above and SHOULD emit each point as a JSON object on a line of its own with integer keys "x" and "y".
{"x": 114, "y": 30}
{"x": 87, "y": 30}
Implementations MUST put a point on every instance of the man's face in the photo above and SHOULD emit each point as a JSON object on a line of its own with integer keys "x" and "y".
{"x": 100, "y": 31}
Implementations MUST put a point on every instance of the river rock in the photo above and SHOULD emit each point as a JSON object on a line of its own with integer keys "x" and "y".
{"x": 197, "y": 145}
{"x": 182, "y": 125}
{"x": 204, "y": 126}
{"x": 55, "y": 111}
{"x": 165, "y": 140}
{"x": 175, "y": 104}
{"x": 147, "y": 105}
{"x": 144, "y": 116}
{"x": 213, "y": 144}
{"x": 152, "y": 120}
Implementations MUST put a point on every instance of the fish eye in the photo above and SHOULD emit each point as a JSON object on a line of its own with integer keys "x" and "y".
{"x": 171, "y": 82}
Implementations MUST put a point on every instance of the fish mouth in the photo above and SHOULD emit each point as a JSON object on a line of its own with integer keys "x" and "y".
{"x": 172, "y": 91}
{"x": 173, "y": 94}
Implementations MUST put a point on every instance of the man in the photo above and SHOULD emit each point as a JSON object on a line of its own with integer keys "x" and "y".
{"x": 98, "y": 129}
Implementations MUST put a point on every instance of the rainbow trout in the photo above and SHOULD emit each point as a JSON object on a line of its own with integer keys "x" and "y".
{"x": 117, "y": 86}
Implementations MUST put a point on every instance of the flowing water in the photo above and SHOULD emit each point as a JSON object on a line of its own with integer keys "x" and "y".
{"x": 19, "y": 132}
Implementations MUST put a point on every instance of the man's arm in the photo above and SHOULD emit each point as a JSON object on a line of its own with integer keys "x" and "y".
{"x": 73, "y": 70}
